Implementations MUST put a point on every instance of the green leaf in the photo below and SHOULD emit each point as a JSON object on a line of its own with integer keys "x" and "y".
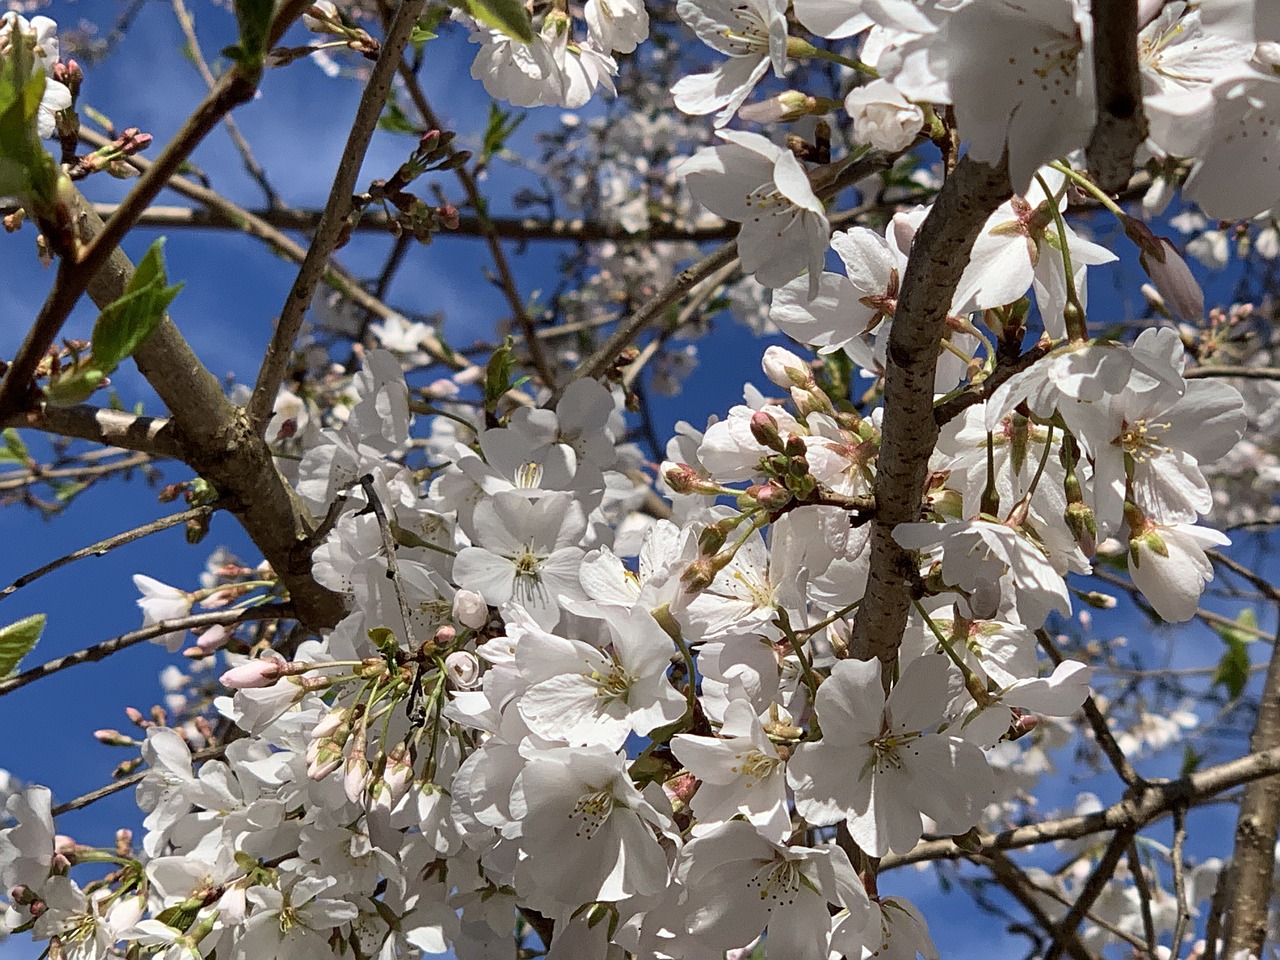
{"x": 14, "y": 451}
{"x": 501, "y": 125}
{"x": 420, "y": 35}
{"x": 395, "y": 120}
{"x": 1191, "y": 761}
{"x": 254, "y": 17}
{"x": 124, "y": 324}
{"x": 16, "y": 641}
{"x": 497, "y": 375}
{"x": 509, "y": 16}
{"x": 1233, "y": 667}
{"x": 26, "y": 169}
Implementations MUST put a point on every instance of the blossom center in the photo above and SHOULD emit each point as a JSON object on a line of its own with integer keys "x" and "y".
{"x": 528, "y": 476}
{"x": 778, "y": 881}
{"x": 591, "y": 811}
{"x": 755, "y": 766}
{"x": 614, "y": 685}
{"x": 1141, "y": 440}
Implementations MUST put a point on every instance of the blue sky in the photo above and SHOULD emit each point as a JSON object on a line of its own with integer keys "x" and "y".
{"x": 233, "y": 292}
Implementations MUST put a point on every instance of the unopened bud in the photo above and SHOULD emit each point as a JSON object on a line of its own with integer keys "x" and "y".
{"x": 682, "y": 478}
{"x": 1083, "y": 525}
{"x": 698, "y": 575}
{"x": 251, "y": 674}
{"x": 469, "y": 609}
{"x": 765, "y": 431}
{"x": 785, "y": 369}
{"x": 114, "y": 738}
{"x": 769, "y": 495}
{"x": 1021, "y": 724}
{"x": 786, "y": 107}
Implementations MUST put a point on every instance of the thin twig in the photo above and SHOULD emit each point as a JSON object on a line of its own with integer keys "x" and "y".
{"x": 77, "y": 267}
{"x": 110, "y": 543}
{"x": 124, "y": 783}
{"x": 100, "y": 651}
{"x": 1092, "y": 889}
{"x": 506, "y": 279}
{"x": 251, "y": 165}
{"x": 224, "y": 212}
{"x": 1144, "y": 898}
{"x": 1179, "y": 882}
{"x": 1097, "y": 722}
{"x": 336, "y": 210}
{"x": 377, "y": 221}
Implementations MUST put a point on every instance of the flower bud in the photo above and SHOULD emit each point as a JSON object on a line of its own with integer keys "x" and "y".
{"x": 785, "y": 369}
{"x": 463, "y": 669}
{"x": 327, "y": 758}
{"x": 262, "y": 672}
{"x": 682, "y": 478}
{"x": 469, "y": 609}
{"x": 765, "y": 431}
{"x": 786, "y": 107}
{"x": 769, "y": 495}
{"x": 1083, "y": 526}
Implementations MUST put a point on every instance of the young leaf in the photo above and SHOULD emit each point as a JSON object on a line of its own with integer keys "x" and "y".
{"x": 509, "y": 16}
{"x": 254, "y": 17}
{"x": 1233, "y": 667}
{"x": 126, "y": 323}
{"x": 14, "y": 450}
{"x": 499, "y": 128}
{"x": 16, "y": 641}
{"x": 497, "y": 375}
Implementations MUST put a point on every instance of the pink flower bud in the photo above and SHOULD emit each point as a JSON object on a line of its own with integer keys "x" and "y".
{"x": 1172, "y": 277}
{"x": 765, "y": 431}
{"x": 680, "y": 477}
{"x": 470, "y": 610}
{"x": 262, "y": 672}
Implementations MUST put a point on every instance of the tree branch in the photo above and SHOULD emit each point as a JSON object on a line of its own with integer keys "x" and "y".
{"x": 1257, "y": 827}
{"x": 939, "y": 255}
{"x": 1121, "y": 125}
{"x": 100, "y": 651}
{"x": 1153, "y": 802}
{"x": 336, "y": 210}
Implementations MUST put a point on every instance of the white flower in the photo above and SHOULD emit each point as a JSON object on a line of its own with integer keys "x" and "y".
{"x": 740, "y": 773}
{"x": 876, "y": 766}
{"x": 1018, "y": 246}
{"x": 1167, "y": 563}
{"x": 1019, "y": 74}
{"x": 883, "y": 117}
{"x": 764, "y": 187}
{"x": 740, "y": 884}
{"x": 588, "y": 832}
{"x": 581, "y": 695}
{"x": 527, "y": 552}
{"x": 976, "y": 554}
{"x": 42, "y": 34}
{"x": 161, "y": 602}
{"x": 752, "y": 33}
{"x": 617, "y": 24}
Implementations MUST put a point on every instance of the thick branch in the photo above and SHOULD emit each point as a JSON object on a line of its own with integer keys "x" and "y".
{"x": 1121, "y": 125}
{"x": 1256, "y": 830}
{"x": 215, "y": 441}
{"x": 939, "y": 255}
{"x": 112, "y": 428}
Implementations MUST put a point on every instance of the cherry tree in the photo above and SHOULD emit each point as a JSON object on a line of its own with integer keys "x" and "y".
{"x": 510, "y": 674}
